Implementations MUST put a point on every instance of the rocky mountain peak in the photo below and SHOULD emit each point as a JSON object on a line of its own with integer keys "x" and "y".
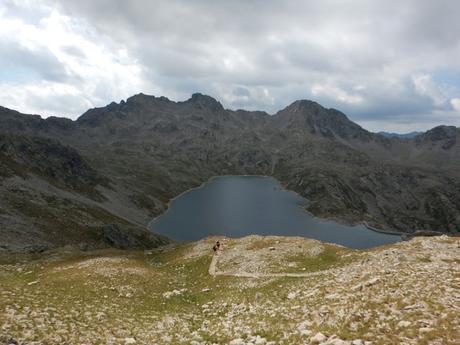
{"x": 138, "y": 97}
{"x": 439, "y": 133}
{"x": 136, "y": 104}
{"x": 142, "y": 98}
{"x": 303, "y": 105}
{"x": 205, "y": 101}
{"x": 442, "y": 136}
{"x": 306, "y": 114}
{"x": 310, "y": 110}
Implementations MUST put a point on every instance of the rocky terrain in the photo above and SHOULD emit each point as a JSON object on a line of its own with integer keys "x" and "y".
{"x": 64, "y": 182}
{"x": 256, "y": 290}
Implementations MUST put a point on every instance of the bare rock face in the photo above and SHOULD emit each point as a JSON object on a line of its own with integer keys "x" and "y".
{"x": 122, "y": 163}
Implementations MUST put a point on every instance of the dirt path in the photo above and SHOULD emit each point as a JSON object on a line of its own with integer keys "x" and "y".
{"x": 212, "y": 266}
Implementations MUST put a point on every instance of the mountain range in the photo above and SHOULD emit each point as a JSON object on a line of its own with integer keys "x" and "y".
{"x": 409, "y": 135}
{"x": 99, "y": 180}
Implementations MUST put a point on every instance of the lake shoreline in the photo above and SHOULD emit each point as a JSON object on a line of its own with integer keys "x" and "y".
{"x": 332, "y": 219}
{"x": 282, "y": 188}
{"x": 402, "y": 235}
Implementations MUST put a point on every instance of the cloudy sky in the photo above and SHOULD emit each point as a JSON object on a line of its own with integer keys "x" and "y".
{"x": 389, "y": 65}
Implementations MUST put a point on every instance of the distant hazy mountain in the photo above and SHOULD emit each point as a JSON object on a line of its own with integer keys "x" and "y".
{"x": 104, "y": 176}
{"x": 409, "y": 135}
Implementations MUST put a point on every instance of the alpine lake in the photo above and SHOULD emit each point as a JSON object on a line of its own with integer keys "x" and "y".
{"x": 237, "y": 206}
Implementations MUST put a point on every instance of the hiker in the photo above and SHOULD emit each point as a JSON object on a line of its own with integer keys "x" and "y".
{"x": 216, "y": 247}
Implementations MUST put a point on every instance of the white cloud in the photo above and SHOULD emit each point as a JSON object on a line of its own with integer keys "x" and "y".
{"x": 455, "y": 104}
{"x": 336, "y": 93}
{"x": 425, "y": 86}
{"x": 96, "y": 70}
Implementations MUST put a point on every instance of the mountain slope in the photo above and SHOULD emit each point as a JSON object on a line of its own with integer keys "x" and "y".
{"x": 140, "y": 153}
{"x": 51, "y": 197}
{"x": 257, "y": 290}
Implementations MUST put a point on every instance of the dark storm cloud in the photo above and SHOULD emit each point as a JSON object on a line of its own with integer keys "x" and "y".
{"x": 376, "y": 60}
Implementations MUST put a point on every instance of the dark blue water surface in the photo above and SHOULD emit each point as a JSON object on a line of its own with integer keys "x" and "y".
{"x": 237, "y": 206}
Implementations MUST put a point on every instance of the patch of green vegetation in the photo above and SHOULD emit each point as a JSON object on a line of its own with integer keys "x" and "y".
{"x": 330, "y": 257}
{"x": 61, "y": 223}
{"x": 425, "y": 259}
{"x": 453, "y": 260}
{"x": 261, "y": 244}
{"x": 64, "y": 221}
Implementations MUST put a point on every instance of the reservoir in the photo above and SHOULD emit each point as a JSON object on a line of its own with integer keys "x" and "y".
{"x": 237, "y": 206}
